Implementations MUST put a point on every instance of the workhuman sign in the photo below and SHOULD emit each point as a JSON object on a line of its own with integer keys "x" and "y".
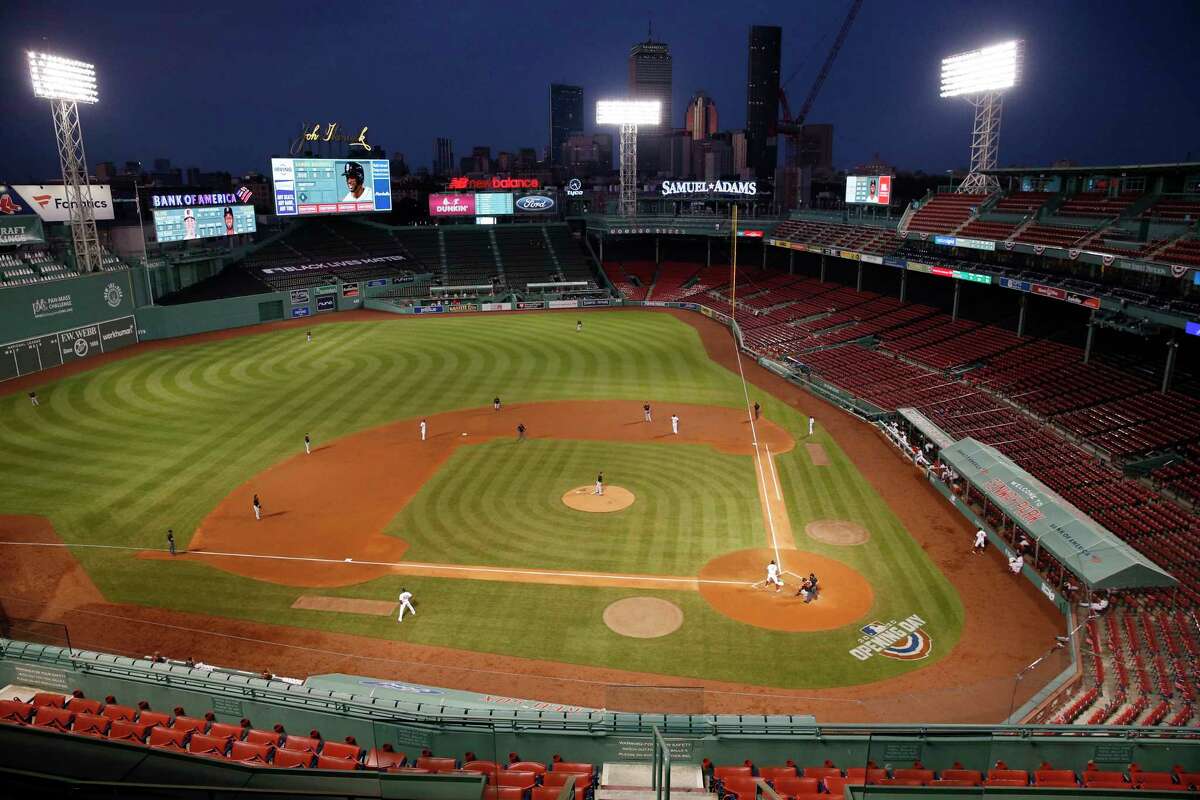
{"x": 746, "y": 188}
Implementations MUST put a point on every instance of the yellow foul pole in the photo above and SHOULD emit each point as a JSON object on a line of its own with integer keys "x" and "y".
{"x": 733, "y": 270}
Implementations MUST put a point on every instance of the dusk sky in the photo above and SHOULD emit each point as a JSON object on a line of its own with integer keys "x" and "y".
{"x": 224, "y": 85}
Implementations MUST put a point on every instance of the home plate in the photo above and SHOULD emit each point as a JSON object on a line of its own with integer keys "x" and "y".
{"x": 349, "y": 559}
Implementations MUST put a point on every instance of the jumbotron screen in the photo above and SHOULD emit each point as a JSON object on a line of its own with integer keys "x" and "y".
{"x": 873, "y": 190}
{"x": 182, "y": 224}
{"x": 306, "y": 186}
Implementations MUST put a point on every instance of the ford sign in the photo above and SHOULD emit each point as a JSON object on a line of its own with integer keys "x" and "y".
{"x": 535, "y": 202}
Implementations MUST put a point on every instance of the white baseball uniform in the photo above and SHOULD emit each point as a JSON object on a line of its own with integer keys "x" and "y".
{"x": 811, "y": 422}
{"x": 422, "y": 430}
{"x": 773, "y": 575}
{"x": 307, "y": 446}
{"x": 674, "y": 424}
{"x": 980, "y": 539}
{"x": 257, "y": 511}
{"x": 1015, "y": 564}
{"x": 406, "y": 602}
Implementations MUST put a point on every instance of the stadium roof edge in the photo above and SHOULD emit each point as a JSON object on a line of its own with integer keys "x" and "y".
{"x": 1181, "y": 166}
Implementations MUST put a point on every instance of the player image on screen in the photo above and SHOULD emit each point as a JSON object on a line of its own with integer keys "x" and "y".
{"x": 872, "y": 192}
{"x": 189, "y": 225}
{"x": 229, "y": 221}
{"x": 355, "y": 183}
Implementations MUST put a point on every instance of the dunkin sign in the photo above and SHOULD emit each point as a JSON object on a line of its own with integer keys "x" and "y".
{"x": 452, "y": 205}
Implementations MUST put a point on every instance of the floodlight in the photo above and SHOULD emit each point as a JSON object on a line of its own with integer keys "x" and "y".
{"x": 56, "y": 78}
{"x": 991, "y": 69}
{"x": 628, "y": 112}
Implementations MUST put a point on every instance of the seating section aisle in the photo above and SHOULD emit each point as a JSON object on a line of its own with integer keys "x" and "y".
{"x": 943, "y": 213}
{"x": 622, "y": 274}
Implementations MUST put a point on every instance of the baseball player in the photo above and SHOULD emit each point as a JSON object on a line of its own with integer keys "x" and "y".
{"x": 578, "y": 325}
{"x": 757, "y": 409}
{"x": 171, "y": 541}
{"x": 496, "y": 404}
{"x": 520, "y": 431}
{"x": 257, "y": 508}
{"x": 773, "y": 576}
{"x": 424, "y": 427}
{"x": 812, "y": 422}
{"x": 599, "y": 489}
{"x": 1016, "y": 563}
{"x": 646, "y": 412}
{"x": 307, "y": 445}
{"x": 33, "y": 398}
{"x": 405, "y": 602}
{"x": 980, "y": 541}
{"x": 308, "y": 337}
{"x": 675, "y": 423}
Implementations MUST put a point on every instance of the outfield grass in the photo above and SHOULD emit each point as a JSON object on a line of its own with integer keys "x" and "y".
{"x": 119, "y": 454}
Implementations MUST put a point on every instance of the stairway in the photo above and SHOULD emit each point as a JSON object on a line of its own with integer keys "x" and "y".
{"x": 631, "y": 781}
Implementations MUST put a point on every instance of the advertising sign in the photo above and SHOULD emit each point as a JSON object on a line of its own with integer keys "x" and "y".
{"x": 898, "y": 263}
{"x": 535, "y": 203}
{"x": 428, "y": 309}
{"x": 959, "y": 241}
{"x": 349, "y": 290}
{"x": 597, "y": 301}
{"x": 305, "y": 186}
{"x": 23, "y": 229}
{"x": 327, "y": 302}
{"x": 377, "y": 282}
{"x": 494, "y": 204}
{"x": 182, "y": 224}
{"x": 530, "y": 305}
{"x": 300, "y": 297}
{"x": 574, "y": 188}
{"x": 461, "y": 184}
{"x": 873, "y": 190}
{"x": 55, "y": 349}
{"x": 563, "y": 304}
{"x": 328, "y": 266}
{"x": 451, "y": 205}
{"x": 1192, "y": 328}
{"x": 751, "y": 234}
{"x": 870, "y": 259}
{"x": 747, "y": 188}
{"x": 300, "y": 311}
{"x": 50, "y": 202}
{"x": 496, "y": 306}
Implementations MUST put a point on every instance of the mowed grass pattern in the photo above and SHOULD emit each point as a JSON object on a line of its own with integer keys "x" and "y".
{"x": 692, "y": 504}
{"x": 117, "y": 455}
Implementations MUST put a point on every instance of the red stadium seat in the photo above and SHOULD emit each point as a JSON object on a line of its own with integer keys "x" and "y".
{"x": 52, "y": 699}
{"x": 820, "y": 773}
{"x": 333, "y": 762}
{"x": 82, "y": 705}
{"x": 156, "y": 718}
{"x": 1005, "y": 782}
{"x": 1008, "y": 775}
{"x": 1054, "y": 777}
{"x": 559, "y": 778}
{"x": 1153, "y": 780}
{"x": 973, "y": 776}
{"x": 302, "y": 743}
{"x": 836, "y": 785}
{"x": 518, "y": 778}
{"x": 126, "y": 731}
{"x": 409, "y": 770}
{"x": 437, "y": 763}
{"x": 293, "y": 759}
{"x": 727, "y": 771}
{"x": 168, "y": 739}
{"x": 16, "y": 712}
{"x": 793, "y": 786}
{"x": 342, "y": 750}
{"x": 502, "y": 793}
{"x": 546, "y": 792}
{"x": 251, "y": 753}
{"x": 91, "y": 725}
{"x": 116, "y": 712}
{"x": 922, "y": 775}
{"x": 203, "y": 745}
{"x": 381, "y": 758}
{"x": 59, "y": 719}
{"x": 952, "y": 782}
{"x": 255, "y": 736}
{"x": 572, "y": 766}
{"x": 226, "y": 730}
{"x": 190, "y": 724}
{"x": 1191, "y": 779}
{"x": 774, "y": 773}
{"x": 865, "y": 774}
{"x": 528, "y": 766}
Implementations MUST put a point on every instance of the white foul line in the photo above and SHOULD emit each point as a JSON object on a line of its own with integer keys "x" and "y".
{"x": 774, "y": 474}
{"x": 401, "y": 565}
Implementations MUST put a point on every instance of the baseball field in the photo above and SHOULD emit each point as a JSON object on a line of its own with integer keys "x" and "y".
{"x": 516, "y": 567}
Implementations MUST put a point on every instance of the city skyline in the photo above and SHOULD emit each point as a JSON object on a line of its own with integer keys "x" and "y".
{"x": 222, "y": 110}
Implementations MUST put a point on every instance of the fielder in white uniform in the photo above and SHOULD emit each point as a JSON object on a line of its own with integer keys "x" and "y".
{"x": 646, "y": 412}
{"x": 812, "y": 421}
{"x": 599, "y": 488}
{"x": 257, "y": 508}
{"x": 980, "y": 541}
{"x": 674, "y": 423}
{"x": 307, "y": 445}
{"x": 773, "y": 576}
{"x": 423, "y": 426}
{"x": 405, "y": 602}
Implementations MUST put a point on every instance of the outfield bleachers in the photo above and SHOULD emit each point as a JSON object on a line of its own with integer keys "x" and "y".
{"x": 943, "y": 213}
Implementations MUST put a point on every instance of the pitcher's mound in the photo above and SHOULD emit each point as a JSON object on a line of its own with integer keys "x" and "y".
{"x": 643, "y": 617}
{"x": 837, "y": 531}
{"x": 582, "y": 498}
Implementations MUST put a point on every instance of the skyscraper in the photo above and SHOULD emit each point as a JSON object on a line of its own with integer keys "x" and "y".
{"x": 650, "y": 79}
{"x": 701, "y": 117}
{"x": 566, "y": 117}
{"x": 443, "y": 157}
{"x": 762, "y": 98}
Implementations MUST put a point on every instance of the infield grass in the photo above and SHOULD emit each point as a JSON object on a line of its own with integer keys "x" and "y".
{"x": 117, "y": 455}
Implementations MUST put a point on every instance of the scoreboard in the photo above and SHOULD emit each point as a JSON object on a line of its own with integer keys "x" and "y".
{"x": 875, "y": 190}
{"x": 307, "y": 186}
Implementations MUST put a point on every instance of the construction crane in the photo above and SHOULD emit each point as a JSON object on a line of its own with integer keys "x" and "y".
{"x": 789, "y": 126}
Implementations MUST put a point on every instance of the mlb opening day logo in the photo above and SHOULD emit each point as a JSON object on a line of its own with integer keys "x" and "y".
{"x": 903, "y": 640}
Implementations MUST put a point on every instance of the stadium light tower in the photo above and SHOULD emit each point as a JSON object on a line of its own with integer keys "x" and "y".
{"x": 66, "y": 83}
{"x": 982, "y": 76}
{"x": 628, "y": 114}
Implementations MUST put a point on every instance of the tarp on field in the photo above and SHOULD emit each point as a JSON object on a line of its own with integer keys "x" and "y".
{"x": 1089, "y": 550}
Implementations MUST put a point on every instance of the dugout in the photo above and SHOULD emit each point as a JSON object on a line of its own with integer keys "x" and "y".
{"x": 1062, "y": 535}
